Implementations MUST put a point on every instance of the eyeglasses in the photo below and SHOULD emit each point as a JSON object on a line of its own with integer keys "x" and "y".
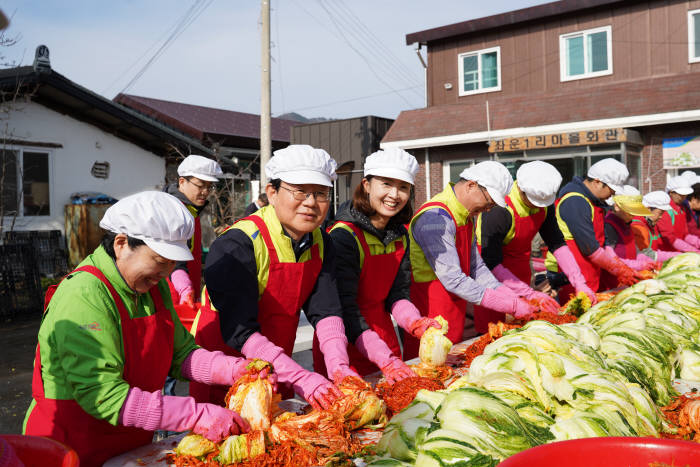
{"x": 210, "y": 188}
{"x": 489, "y": 202}
{"x": 319, "y": 196}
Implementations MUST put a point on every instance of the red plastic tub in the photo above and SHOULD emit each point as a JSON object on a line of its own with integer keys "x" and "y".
{"x": 609, "y": 452}
{"x": 38, "y": 451}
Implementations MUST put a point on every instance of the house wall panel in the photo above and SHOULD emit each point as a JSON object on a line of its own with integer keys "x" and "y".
{"x": 132, "y": 169}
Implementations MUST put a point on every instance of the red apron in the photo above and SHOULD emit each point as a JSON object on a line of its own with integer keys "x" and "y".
{"x": 376, "y": 278}
{"x": 625, "y": 248}
{"x": 288, "y": 287}
{"x": 432, "y": 299}
{"x": 148, "y": 348}
{"x": 590, "y": 271}
{"x": 516, "y": 257}
{"x": 194, "y": 267}
{"x": 680, "y": 226}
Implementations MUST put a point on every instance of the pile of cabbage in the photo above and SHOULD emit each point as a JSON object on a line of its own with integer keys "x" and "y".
{"x": 605, "y": 375}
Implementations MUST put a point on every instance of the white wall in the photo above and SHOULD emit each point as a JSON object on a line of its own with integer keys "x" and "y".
{"x": 132, "y": 168}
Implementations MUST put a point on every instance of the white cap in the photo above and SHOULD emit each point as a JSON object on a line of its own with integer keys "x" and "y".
{"x": 611, "y": 172}
{"x": 657, "y": 199}
{"x": 627, "y": 190}
{"x": 540, "y": 181}
{"x": 301, "y": 164}
{"x": 392, "y": 163}
{"x": 690, "y": 175}
{"x": 201, "y": 167}
{"x": 680, "y": 185}
{"x": 493, "y": 176}
{"x": 157, "y": 218}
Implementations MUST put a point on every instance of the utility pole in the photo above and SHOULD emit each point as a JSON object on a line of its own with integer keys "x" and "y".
{"x": 265, "y": 136}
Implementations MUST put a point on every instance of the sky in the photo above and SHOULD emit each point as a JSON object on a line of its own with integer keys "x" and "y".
{"x": 330, "y": 58}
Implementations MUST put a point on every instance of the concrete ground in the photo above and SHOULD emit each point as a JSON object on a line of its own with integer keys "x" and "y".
{"x": 17, "y": 358}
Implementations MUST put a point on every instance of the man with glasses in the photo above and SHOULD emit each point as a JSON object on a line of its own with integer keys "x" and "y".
{"x": 580, "y": 211}
{"x": 446, "y": 268}
{"x": 197, "y": 175}
{"x": 266, "y": 268}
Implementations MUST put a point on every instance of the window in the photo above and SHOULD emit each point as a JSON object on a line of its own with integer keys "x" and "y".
{"x": 586, "y": 54}
{"x": 24, "y": 176}
{"x": 480, "y": 71}
{"x": 694, "y": 36}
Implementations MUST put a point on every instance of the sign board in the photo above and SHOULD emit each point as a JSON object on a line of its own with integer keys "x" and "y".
{"x": 558, "y": 140}
{"x": 680, "y": 153}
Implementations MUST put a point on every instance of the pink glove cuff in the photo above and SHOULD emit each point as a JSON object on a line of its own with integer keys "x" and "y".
{"x": 567, "y": 263}
{"x": 181, "y": 281}
{"x": 374, "y": 348}
{"x": 682, "y": 245}
{"x": 333, "y": 344}
{"x": 500, "y": 299}
{"x": 405, "y": 313}
{"x": 693, "y": 240}
{"x": 664, "y": 255}
{"x": 600, "y": 257}
{"x": 259, "y": 346}
{"x": 208, "y": 367}
{"x": 505, "y": 276}
{"x": 142, "y": 409}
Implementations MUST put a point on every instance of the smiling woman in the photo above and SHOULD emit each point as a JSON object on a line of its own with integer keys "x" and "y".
{"x": 110, "y": 336}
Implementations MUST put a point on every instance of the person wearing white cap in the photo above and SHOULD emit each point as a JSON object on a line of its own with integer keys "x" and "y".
{"x": 504, "y": 235}
{"x": 580, "y": 211}
{"x": 446, "y": 269}
{"x": 646, "y": 236}
{"x": 197, "y": 176}
{"x": 672, "y": 225}
{"x": 110, "y": 336}
{"x": 372, "y": 266}
{"x": 627, "y": 204}
{"x": 263, "y": 270}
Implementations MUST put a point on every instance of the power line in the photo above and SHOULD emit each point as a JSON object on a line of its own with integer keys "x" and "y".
{"x": 381, "y": 60}
{"x": 369, "y": 65}
{"x": 192, "y": 14}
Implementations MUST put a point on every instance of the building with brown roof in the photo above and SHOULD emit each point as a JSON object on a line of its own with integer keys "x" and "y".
{"x": 569, "y": 82}
{"x": 234, "y": 135}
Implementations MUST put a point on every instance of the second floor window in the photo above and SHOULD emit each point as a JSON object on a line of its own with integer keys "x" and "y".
{"x": 586, "y": 54}
{"x": 480, "y": 71}
{"x": 694, "y": 36}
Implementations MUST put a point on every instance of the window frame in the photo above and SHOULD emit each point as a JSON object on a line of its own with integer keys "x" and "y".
{"x": 478, "y": 53}
{"x": 691, "y": 40}
{"x": 19, "y": 152}
{"x": 563, "y": 77}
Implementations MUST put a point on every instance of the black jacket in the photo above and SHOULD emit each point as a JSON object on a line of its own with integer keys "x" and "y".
{"x": 347, "y": 269}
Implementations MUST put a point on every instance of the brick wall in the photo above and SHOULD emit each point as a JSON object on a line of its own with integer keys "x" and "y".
{"x": 652, "y": 152}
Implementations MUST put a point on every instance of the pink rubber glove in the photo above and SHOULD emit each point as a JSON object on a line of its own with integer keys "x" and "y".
{"x": 396, "y": 371}
{"x": 683, "y": 246}
{"x": 152, "y": 410}
{"x": 182, "y": 283}
{"x": 640, "y": 263}
{"x": 567, "y": 263}
{"x": 317, "y": 390}
{"x": 208, "y": 367}
{"x": 504, "y": 300}
{"x": 608, "y": 260}
{"x": 510, "y": 280}
{"x": 405, "y": 313}
{"x": 693, "y": 240}
{"x": 372, "y": 347}
{"x": 334, "y": 347}
{"x": 545, "y": 302}
{"x": 665, "y": 255}
{"x": 419, "y": 326}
